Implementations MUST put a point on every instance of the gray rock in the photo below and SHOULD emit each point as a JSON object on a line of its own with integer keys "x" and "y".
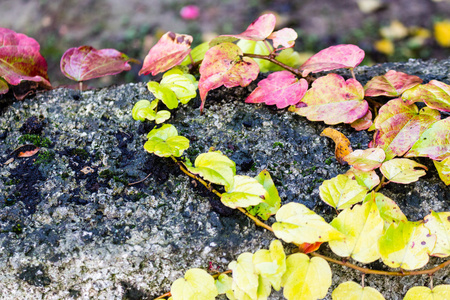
{"x": 71, "y": 226}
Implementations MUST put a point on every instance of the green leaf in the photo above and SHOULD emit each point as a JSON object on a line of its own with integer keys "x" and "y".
{"x": 440, "y": 292}
{"x": 166, "y": 95}
{"x": 334, "y": 100}
{"x": 406, "y": 245}
{"x": 402, "y": 170}
{"x": 297, "y": 224}
{"x": 197, "y": 54}
{"x": 439, "y": 225}
{"x": 271, "y": 264}
{"x": 245, "y": 191}
{"x": 443, "y": 168}
{"x": 306, "y": 279}
{"x": 366, "y": 179}
{"x": 350, "y": 290}
{"x": 245, "y": 279}
{"x": 162, "y": 116}
{"x": 433, "y": 142}
{"x": 271, "y": 203}
{"x": 142, "y": 110}
{"x": 389, "y": 210}
{"x": 181, "y": 85}
{"x": 366, "y": 160}
{"x": 166, "y": 142}
{"x": 223, "y": 285}
{"x": 362, "y": 227}
{"x": 400, "y": 126}
{"x": 341, "y": 192}
{"x": 215, "y": 167}
{"x": 197, "y": 284}
{"x": 257, "y": 47}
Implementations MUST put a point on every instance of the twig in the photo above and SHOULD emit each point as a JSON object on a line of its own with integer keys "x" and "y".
{"x": 133, "y": 183}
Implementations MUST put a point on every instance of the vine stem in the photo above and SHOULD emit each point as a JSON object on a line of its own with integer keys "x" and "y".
{"x": 383, "y": 179}
{"x": 379, "y": 272}
{"x": 272, "y": 59}
{"x": 213, "y": 190}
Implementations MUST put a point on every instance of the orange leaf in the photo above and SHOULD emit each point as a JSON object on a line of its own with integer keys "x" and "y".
{"x": 343, "y": 147}
{"x": 28, "y": 153}
{"x": 308, "y": 248}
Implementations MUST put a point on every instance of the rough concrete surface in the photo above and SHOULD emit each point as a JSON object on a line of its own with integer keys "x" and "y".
{"x": 71, "y": 226}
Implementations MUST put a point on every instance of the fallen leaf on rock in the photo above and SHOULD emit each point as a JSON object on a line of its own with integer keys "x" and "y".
{"x": 87, "y": 170}
{"x": 343, "y": 146}
{"x": 365, "y": 160}
{"x": 391, "y": 84}
{"x": 402, "y": 170}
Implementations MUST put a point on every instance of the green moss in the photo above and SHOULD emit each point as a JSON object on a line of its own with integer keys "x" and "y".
{"x": 12, "y": 182}
{"x": 277, "y": 144}
{"x": 329, "y": 160}
{"x": 45, "y": 157}
{"x": 36, "y": 140}
{"x": 65, "y": 175}
{"x": 80, "y": 152}
{"x": 17, "y": 228}
{"x": 106, "y": 174}
{"x": 118, "y": 179}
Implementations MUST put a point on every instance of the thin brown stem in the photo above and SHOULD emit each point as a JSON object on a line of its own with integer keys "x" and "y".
{"x": 383, "y": 179}
{"x": 169, "y": 294}
{"x": 272, "y": 59}
{"x": 133, "y": 183}
{"x": 379, "y": 272}
{"x": 255, "y": 219}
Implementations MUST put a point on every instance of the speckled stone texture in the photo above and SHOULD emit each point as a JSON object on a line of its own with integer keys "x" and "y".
{"x": 72, "y": 226}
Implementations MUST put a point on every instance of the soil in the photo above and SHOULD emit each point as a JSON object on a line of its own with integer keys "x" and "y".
{"x": 133, "y": 26}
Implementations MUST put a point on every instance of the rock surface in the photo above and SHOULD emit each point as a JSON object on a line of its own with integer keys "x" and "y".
{"x": 72, "y": 226}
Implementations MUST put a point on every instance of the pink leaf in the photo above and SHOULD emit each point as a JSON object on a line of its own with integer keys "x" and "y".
{"x": 363, "y": 123}
{"x": 333, "y": 100}
{"x": 435, "y": 94}
{"x": 224, "y": 65}
{"x": 285, "y": 37}
{"x": 280, "y": 88}
{"x": 20, "y": 60}
{"x": 86, "y": 62}
{"x": 334, "y": 57}
{"x": 391, "y": 84}
{"x": 259, "y": 30}
{"x": 399, "y": 126}
{"x": 168, "y": 52}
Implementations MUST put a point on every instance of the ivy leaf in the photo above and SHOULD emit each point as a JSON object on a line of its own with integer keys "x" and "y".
{"x": 297, "y": 224}
{"x": 143, "y": 110}
{"x": 259, "y": 30}
{"x": 401, "y": 125}
{"x": 244, "y": 192}
{"x": 439, "y": 225}
{"x": 352, "y": 290}
{"x": 334, "y": 57}
{"x": 162, "y": 116}
{"x": 20, "y": 60}
{"x": 435, "y": 94}
{"x": 364, "y": 122}
{"x": 366, "y": 160}
{"x": 341, "y": 192}
{"x": 165, "y": 142}
{"x": 433, "y": 142}
{"x": 271, "y": 203}
{"x": 389, "y": 210}
{"x": 223, "y": 284}
{"x": 257, "y": 47}
{"x": 402, "y": 170}
{"x": 271, "y": 264}
{"x": 196, "y": 284}
{"x": 86, "y": 62}
{"x": 391, "y": 84}
{"x": 439, "y": 292}
{"x": 443, "y": 168}
{"x": 215, "y": 167}
{"x": 165, "y": 94}
{"x": 245, "y": 279}
{"x": 197, "y": 54}
{"x": 168, "y": 52}
{"x": 182, "y": 85}
{"x": 281, "y": 88}
{"x": 334, "y": 100}
{"x": 406, "y": 245}
{"x": 224, "y": 65}
{"x": 306, "y": 278}
{"x": 362, "y": 227}
{"x": 284, "y": 37}
{"x": 368, "y": 179}
{"x": 343, "y": 146}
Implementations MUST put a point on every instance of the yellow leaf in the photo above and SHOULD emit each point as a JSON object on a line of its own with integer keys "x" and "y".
{"x": 442, "y": 33}
{"x": 297, "y": 224}
{"x": 368, "y": 179}
{"x": 439, "y": 224}
{"x": 362, "y": 226}
{"x": 395, "y": 31}
{"x": 440, "y": 292}
{"x": 244, "y": 192}
{"x": 366, "y": 160}
{"x": 341, "y": 192}
{"x": 223, "y": 284}
{"x": 389, "y": 210}
{"x": 197, "y": 284}
{"x": 402, "y": 170}
{"x": 271, "y": 264}
{"x": 443, "y": 168}
{"x": 245, "y": 280}
{"x": 350, "y": 290}
{"x": 385, "y": 46}
{"x": 306, "y": 279}
{"x": 342, "y": 148}
{"x": 406, "y": 245}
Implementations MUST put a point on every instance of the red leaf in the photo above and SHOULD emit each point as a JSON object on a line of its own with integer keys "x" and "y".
{"x": 168, "y": 52}
{"x": 28, "y": 153}
{"x": 334, "y": 100}
{"x": 308, "y": 248}
{"x": 280, "y": 88}
{"x": 259, "y": 30}
{"x": 285, "y": 37}
{"x": 334, "y": 57}
{"x": 391, "y": 84}
{"x": 86, "y": 62}
{"x": 224, "y": 65}
{"x": 20, "y": 60}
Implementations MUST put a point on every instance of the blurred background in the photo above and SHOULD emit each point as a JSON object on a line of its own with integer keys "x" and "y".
{"x": 387, "y": 30}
